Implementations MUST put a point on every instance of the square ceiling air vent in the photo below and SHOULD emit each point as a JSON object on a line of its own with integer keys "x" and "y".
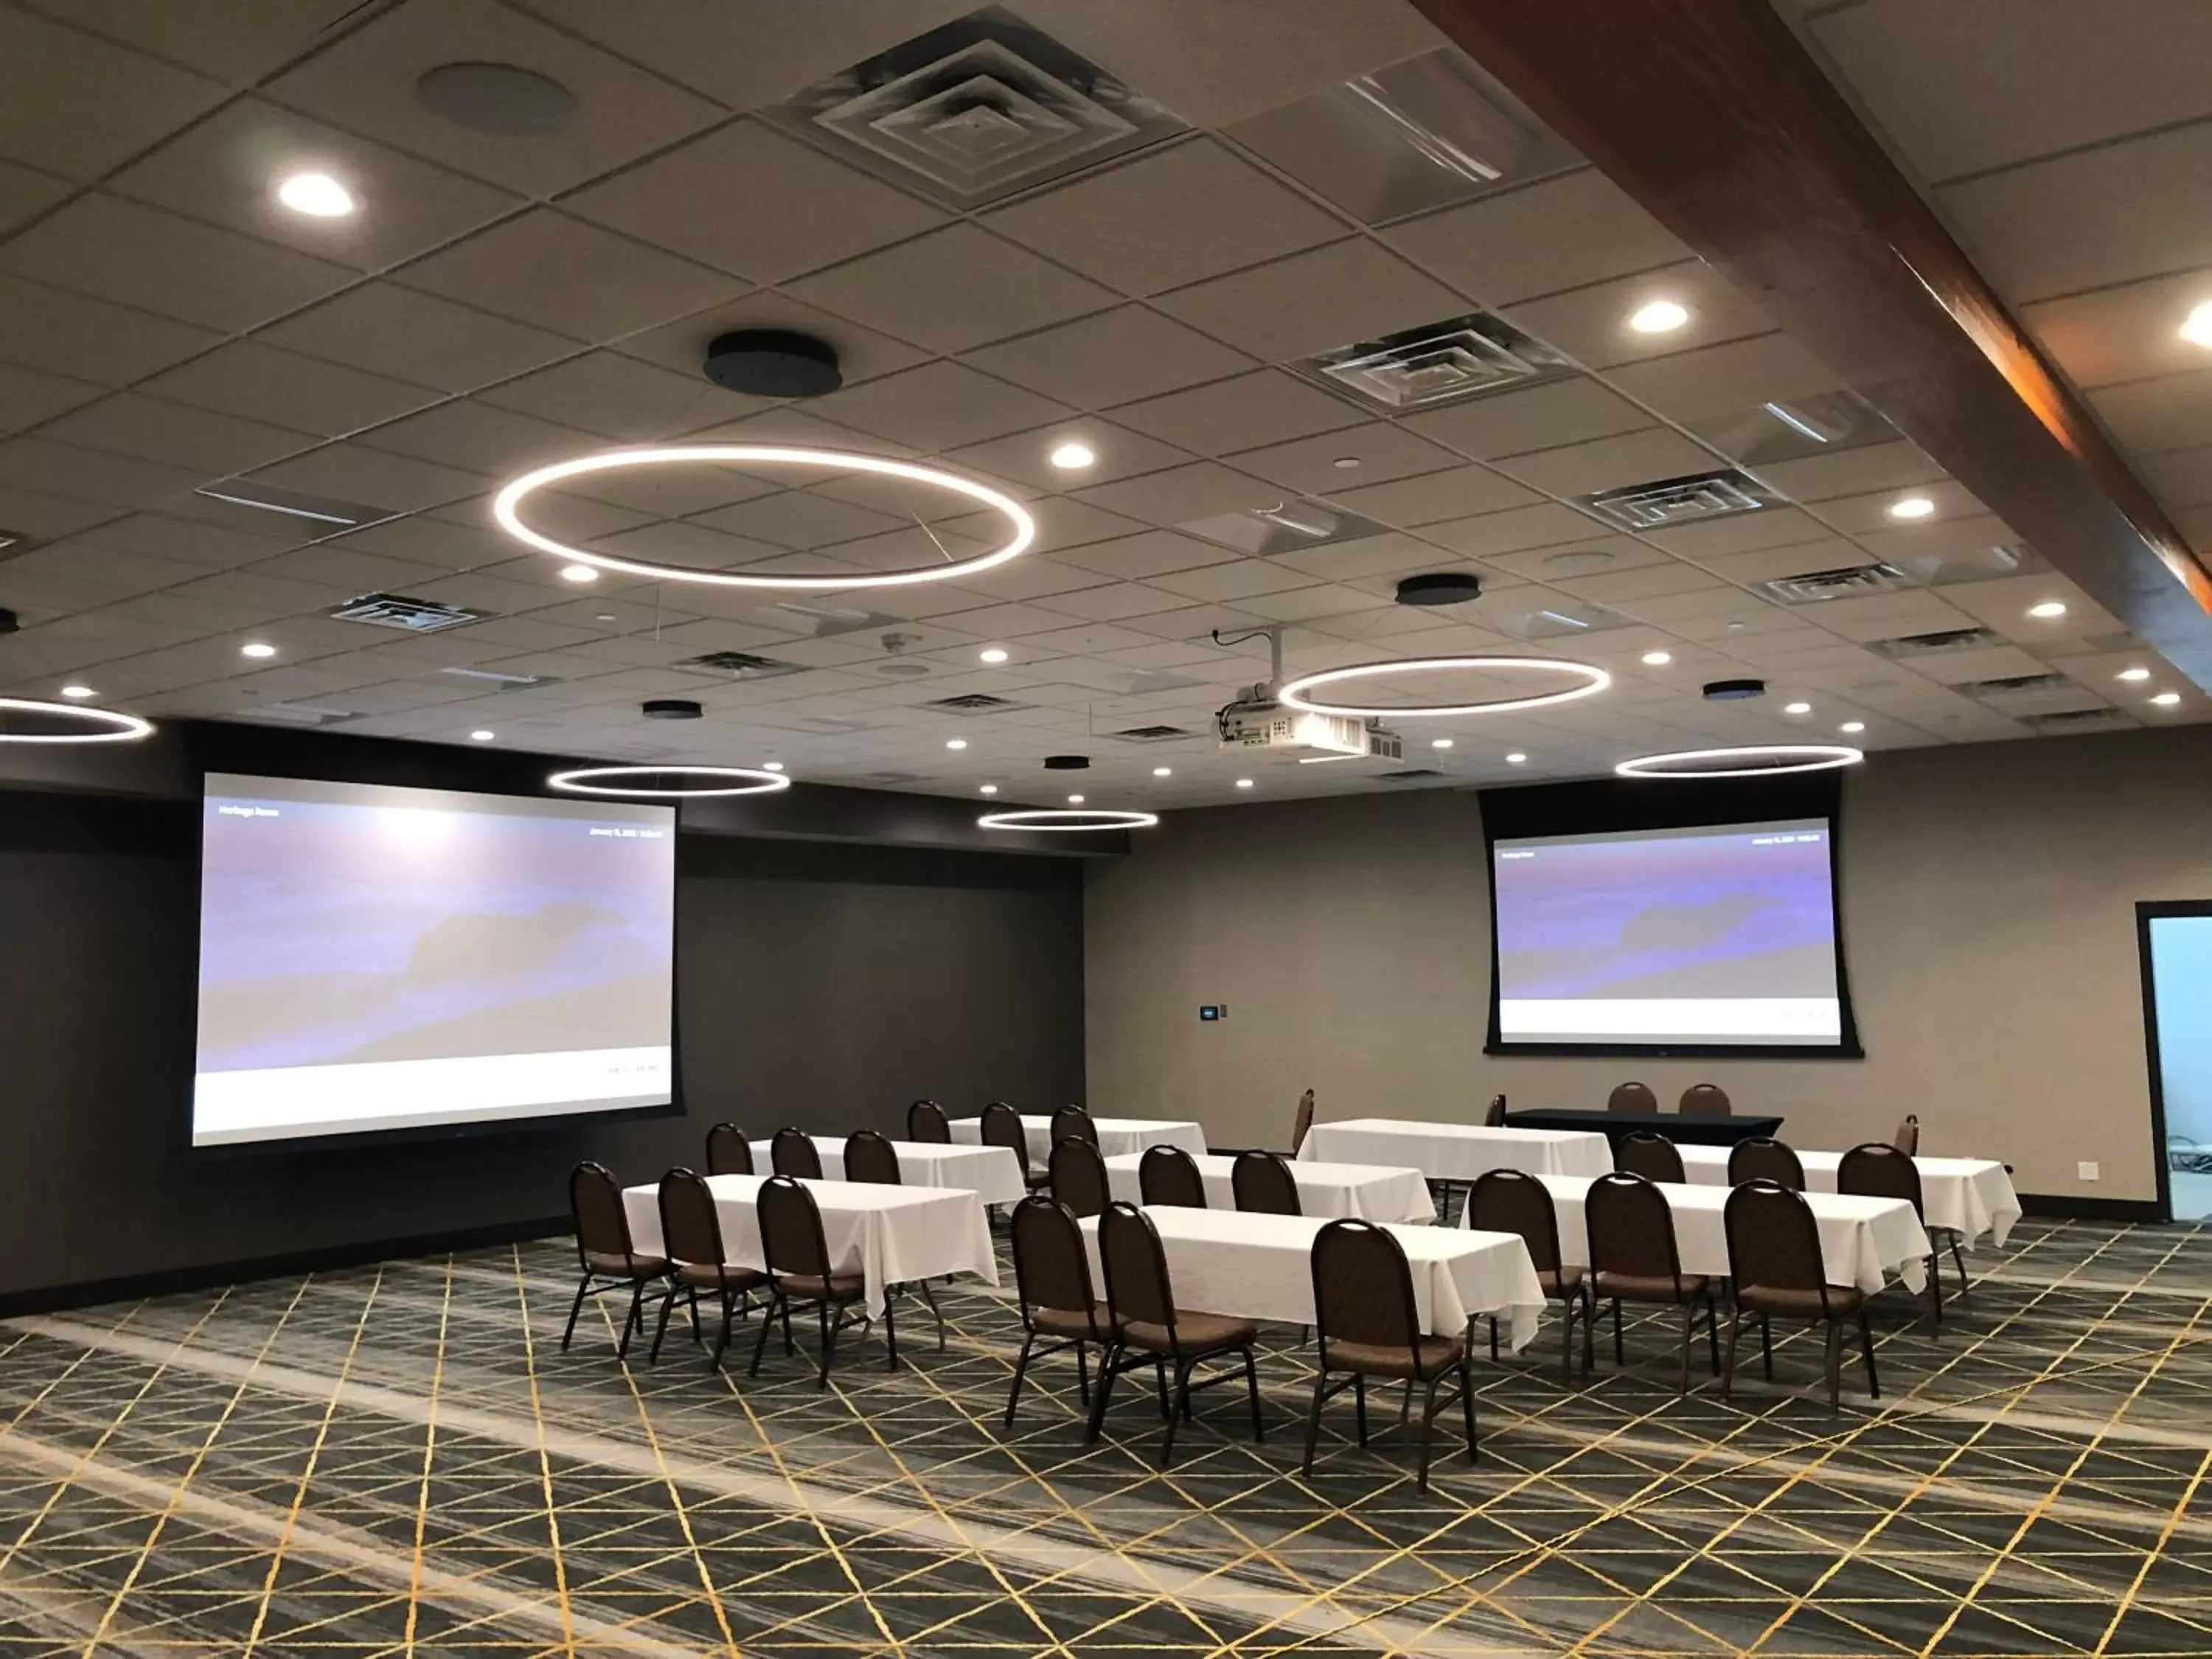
{"x": 1666, "y": 502}
{"x": 1823, "y": 423}
{"x": 1435, "y": 363}
{"x": 2016, "y": 685}
{"x": 1153, "y": 733}
{"x": 299, "y": 713}
{"x": 1846, "y": 582}
{"x": 976, "y": 109}
{"x": 742, "y": 665}
{"x": 1409, "y": 775}
{"x": 973, "y": 703}
{"x": 1929, "y": 644}
{"x": 408, "y": 615}
{"x": 2077, "y": 719}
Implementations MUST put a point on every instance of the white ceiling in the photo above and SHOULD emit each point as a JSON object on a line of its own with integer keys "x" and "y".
{"x": 499, "y": 303}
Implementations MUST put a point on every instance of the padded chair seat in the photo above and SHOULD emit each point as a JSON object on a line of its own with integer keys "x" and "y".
{"x": 1195, "y": 1333}
{"x": 702, "y": 1275}
{"x": 1561, "y": 1282}
{"x": 812, "y": 1287}
{"x": 1652, "y": 1288}
{"x": 1436, "y": 1353}
{"x": 620, "y": 1266}
{"x": 1803, "y": 1304}
{"x": 1073, "y": 1323}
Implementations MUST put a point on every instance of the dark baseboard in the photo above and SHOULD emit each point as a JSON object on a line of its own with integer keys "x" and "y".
{"x": 91, "y": 1292}
{"x": 2073, "y": 1207}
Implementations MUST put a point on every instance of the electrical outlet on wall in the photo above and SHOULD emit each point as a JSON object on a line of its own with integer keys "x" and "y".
{"x": 2088, "y": 1171}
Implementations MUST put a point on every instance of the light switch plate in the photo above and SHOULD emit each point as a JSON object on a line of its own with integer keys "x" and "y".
{"x": 2087, "y": 1171}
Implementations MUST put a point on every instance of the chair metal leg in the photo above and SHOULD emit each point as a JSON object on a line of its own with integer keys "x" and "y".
{"x": 1428, "y": 1421}
{"x": 1833, "y": 1355}
{"x": 1467, "y": 1402}
{"x": 1866, "y": 1347}
{"x": 1109, "y": 1369}
{"x": 1766, "y": 1343}
{"x": 1313, "y": 1423}
{"x": 1589, "y": 1330}
{"x": 1728, "y": 1365}
{"x": 1082, "y": 1375}
{"x": 1359, "y": 1403}
{"x": 1713, "y": 1329}
{"x": 829, "y": 1344}
{"x": 1494, "y": 1338}
{"x": 1619, "y": 1353}
{"x": 1252, "y": 1386}
{"x": 1573, "y": 1305}
{"x": 722, "y": 1342}
{"x": 1021, "y": 1369}
{"x": 935, "y": 1312}
{"x": 788, "y": 1348}
{"x": 1181, "y": 1409}
{"x": 575, "y": 1308}
{"x": 1936, "y": 1288}
{"x": 1959, "y": 1260}
{"x": 768, "y": 1324}
{"x": 1167, "y": 1400}
{"x": 891, "y": 1332}
{"x": 636, "y": 1301}
{"x": 661, "y": 1329}
{"x": 1689, "y": 1330}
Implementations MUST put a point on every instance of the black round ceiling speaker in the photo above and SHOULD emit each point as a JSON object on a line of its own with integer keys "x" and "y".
{"x": 1734, "y": 691}
{"x": 774, "y": 362}
{"x": 1068, "y": 763}
{"x": 1440, "y": 587}
{"x": 670, "y": 708}
{"x": 7, "y": 622}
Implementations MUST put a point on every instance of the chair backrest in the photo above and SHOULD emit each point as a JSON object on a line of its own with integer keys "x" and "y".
{"x": 1002, "y": 1126}
{"x": 1363, "y": 1289}
{"x": 595, "y": 1200}
{"x": 1633, "y": 1098}
{"x": 689, "y": 1229}
{"x": 792, "y": 1152}
{"x": 1169, "y": 1175}
{"x": 1136, "y": 1268}
{"x": 1759, "y": 1158}
{"x": 926, "y": 1121}
{"x": 1632, "y": 1229}
{"x": 869, "y": 1157}
{"x": 1073, "y": 1123}
{"x": 1303, "y": 1122}
{"x": 1907, "y": 1139}
{"x": 1078, "y": 1177}
{"x": 790, "y": 1229}
{"x": 1649, "y": 1154}
{"x": 1878, "y": 1169}
{"x": 1514, "y": 1201}
{"x": 1262, "y": 1182}
{"x": 1706, "y": 1100}
{"x": 1494, "y": 1118}
{"x": 1773, "y": 1243}
{"x": 728, "y": 1151}
{"x": 1050, "y": 1268}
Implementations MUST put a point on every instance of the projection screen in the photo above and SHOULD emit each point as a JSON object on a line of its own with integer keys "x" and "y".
{"x": 375, "y": 958}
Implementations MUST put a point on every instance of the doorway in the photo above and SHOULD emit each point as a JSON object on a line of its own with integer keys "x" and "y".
{"x": 2177, "y": 966}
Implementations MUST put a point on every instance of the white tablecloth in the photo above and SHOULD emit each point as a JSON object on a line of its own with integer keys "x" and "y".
{"x": 1116, "y": 1135}
{"x": 1861, "y": 1238}
{"x": 1371, "y": 1192}
{"x": 989, "y": 1172}
{"x": 1261, "y": 1266}
{"x": 1457, "y": 1151}
{"x": 892, "y": 1235}
{"x": 1970, "y": 1196}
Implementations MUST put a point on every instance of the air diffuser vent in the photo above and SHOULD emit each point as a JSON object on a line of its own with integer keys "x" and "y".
{"x": 2014, "y": 683}
{"x": 973, "y": 703}
{"x": 1435, "y": 363}
{"x": 1154, "y": 733}
{"x": 408, "y": 615}
{"x": 2077, "y": 719}
{"x": 1409, "y": 774}
{"x": 1667, "y": 502}
{"x": 742, "y": 665}
{"x": 299, "y": 713}
{"x": 1847, "y": 581}
{"x": 1929, "y": 644}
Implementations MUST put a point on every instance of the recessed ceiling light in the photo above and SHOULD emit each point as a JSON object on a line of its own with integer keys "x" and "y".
{"x": 578, "y": 572}
{"x": 317, "y": 195}
{"x": 2197, "y": 327}
{"x": 1657, "y": 659}
{"x": 993, "y": 656}
{"x": 2166, "y": 699}
{"x": 2135, "y": 673}
{"x": 255, "y": 648}
{"x": 771, "y": 766}
{"x": 1796, "y": 707}
{"x": 1346, "y": 462}
{"x": 2048, "y": 608}
{"x": 78, "y": 691}
{"x": 956, "y": 743}
{"x": 1243, "y": 783}
{"x": 1658, "y": 317}
{"x": 1912, "y": 507}
{"x": 1516, "y": 758}
{"x": 1075, "y": 800}
{"x": 1852, "y": 727}
{"x": 604, "y": 615}
{"x": 1164, "y": 771}
{"x": 988, "y": 789}
{"x": 1072, "y": 457}
{"x": 481, "y": 737}
{"x": 1440, "y": 743}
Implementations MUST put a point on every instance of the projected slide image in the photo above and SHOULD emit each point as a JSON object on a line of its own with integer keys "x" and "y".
{"x": 1707, "y": 936}
{"x": 374, "y": 958}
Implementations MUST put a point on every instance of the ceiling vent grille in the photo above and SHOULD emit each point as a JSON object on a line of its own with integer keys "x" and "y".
{"x": 2015, "y": 684}
{"x": 1153, "y": 733}
{"x": 976, "y": 109}
{"x": 396, "y": 611}
{"x": 1412, "y": 773}
{"x": 1847, "y": 581}
{"x": 2077, "y": 719}
{"x": 973, "y": 703}
{"x": 742, "y": 665}
{"x": 1667, "y": 502}
{"x": 1930, "y": 645}
{"x": 299, "y": 713}
{"x": 1436, "y": 363}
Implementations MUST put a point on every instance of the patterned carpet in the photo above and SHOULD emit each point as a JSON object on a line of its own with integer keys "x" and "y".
{"x": 400, "y": 1459}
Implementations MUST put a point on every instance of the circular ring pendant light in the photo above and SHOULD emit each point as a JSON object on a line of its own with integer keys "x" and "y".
{"x": 1063, "y": 819}
{"x": 631, "y": 782}
{"x": 1784, "y": 757}
{"x": 106, "y": 725}
{"x": 1299, "y": 693}
{"x": 507, "y": 508}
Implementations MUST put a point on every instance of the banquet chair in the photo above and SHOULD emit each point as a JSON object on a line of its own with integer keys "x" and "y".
{"x": 1262, "y": 1183}
{"x": 792, "y": 1152}
{"x": 1169, "y": 1175}
{"x": 1514, "y": 1201}
{"x": 870, "y": 1157}
{"x": 1002, "y": 1125}
{"x": 1149, "y": 1330}
{"x": 1878, "y": 1169}
{"x": 1052, "y": 1284}
{"x": 1366, "y": 1325}
{"x": 1633, "y": 1258}
{"x": 1078, "y": 1175}
{"x": 1073, "y": 1123}
{"x": 1761, "y": 1157}
{"x": 1303, "y": 1123}
{"x": 1706, "y": 1100}
{"x": 1775, "y": 1261}
{"x": 728, "y": 1151}
{"x": 691, "y": 1233}
{"x": 604, "y": 1252}
{"x": 1907, "y": 1138}
{"x": 1633, "y": 1098}
{"x": 1647, "y": 1153}
{"x": 1493, "y": 1117}
{"x": 799, "y": 1276}
{"x": 926, "y": 1122}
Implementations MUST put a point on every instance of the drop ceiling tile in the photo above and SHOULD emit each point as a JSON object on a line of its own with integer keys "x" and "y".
{"x": 1739, "y": 533}
{"x": 1182, "y": 495}
{"x": 1567, "y": 232}
{"x": 252, "y": 381}
{"x": 24, "y": 192}
{"x": 75, "y": 103}
{"x": 1382, "y": 451}
{"x": 86, "y": 475}
{"x": 1113, "y": 357}
{"x": 2171, "y": 412}
{"x": 157, "y": 534}
{"x": 800, "y": 519}
{"x": 2003, "y": 605}
{"x": 1171, "y": 218}
{"x": 1553, "y": 565}
{"x": 1997, "y": 662}
{"x": 559, "y": 273}
{"x": 1591, "y": 324}
{"x": 1266, "y": 407}
{"x": 1215, "y": 584}
{"x": 940, "y": 406}
{"x": 1335, "y": 295}
{"x": 1136, "y": 558}
{"x": 1623, "y": 588}
{"x": 352, "y": 472}
{"x": 1889, "y": 615}
{"x": 1768, "y": 564}
{"x": 494, "y": 441}
{"x": 952, "y": 290}
{"x": 1024, "y": 459}
{"x": 213, "y": 446}
{"x": 1855, "y": 515}
{"x": 1937, "y": 538}
{"x": 139, "y": 256}
{"x": 1544, "y": 525}
{"x": 1541, "y": 417}
{"x": 1458, "y": 493}
{"x": 396, "y": 332}
{"x": 619, "y": 396}
{"x": 1113, "y": 601}
{"x": 1304, "y": 604}
{"x": 1634, "y": 458}
{"x": 28, "y": 397}
{"x": 1892, "y": 466}
{"x": 2179, "y": 477}
{"x": 2130, "y": 332}
{"x": 1720, "y": 379}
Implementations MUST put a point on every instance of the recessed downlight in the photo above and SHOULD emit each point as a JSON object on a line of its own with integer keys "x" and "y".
{"x": 316, "y": 196}
{"x": 1073, "y": 456}
{"x": 2130, "y": 674}
{"x": 1440, "y": 743}
{"x": 1658, "y": 317}
{"x": 79, "y": 691}
{"x": 257, "y": 650}
{"x": 988, "y": 789}
{"x": 1796, "y": 707}
{"x": 1912, "y": 507}
{"x": 1851, "y": 728}
{"x": 2197, "y": 327}
{"x": 1516, "y": 758}
{"x": 2048, "y": 608}
{"x": 993, "y": 655}
{"x": 2166, "y": 699}
{"x": 771, "y": 766}
{"x": 1164, "y": 771}
{"x": 1657, "y": 659}
{"x": 578, "y": 574}
{"x": 1075, "y": 800}
{"x": 1243, "y": 783}
{"x": 482, "y": 736}
{"x": 956, "y": 743}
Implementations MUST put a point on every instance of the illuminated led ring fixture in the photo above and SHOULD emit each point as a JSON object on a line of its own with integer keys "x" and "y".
{"x": 1296, "y": 694}
{"x": 507, "y": 508}
{"x": 1787, "y": 758}
{"x": 1062, "y": 819}
{"x": 108, "y": 726}
{"x": 714, "y": 780}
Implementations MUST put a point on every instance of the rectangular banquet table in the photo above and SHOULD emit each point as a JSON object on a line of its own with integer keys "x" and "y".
{"x": 1970, "y": 1196}
{"x": 892, "y": 1235}
{"x": 1456, "y": 1152}
{"x": 1368, "y": 1191}
{"x": 1682, "y": 1131}
{"x": 1116, "y": 1135}
{"x": 989, "y": 1172}
{"x": 1862, "y": 1239}
{"x": 1261, "y": 1266}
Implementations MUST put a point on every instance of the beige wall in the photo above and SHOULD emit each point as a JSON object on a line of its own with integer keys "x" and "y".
{"x": 1989, "y": 932}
